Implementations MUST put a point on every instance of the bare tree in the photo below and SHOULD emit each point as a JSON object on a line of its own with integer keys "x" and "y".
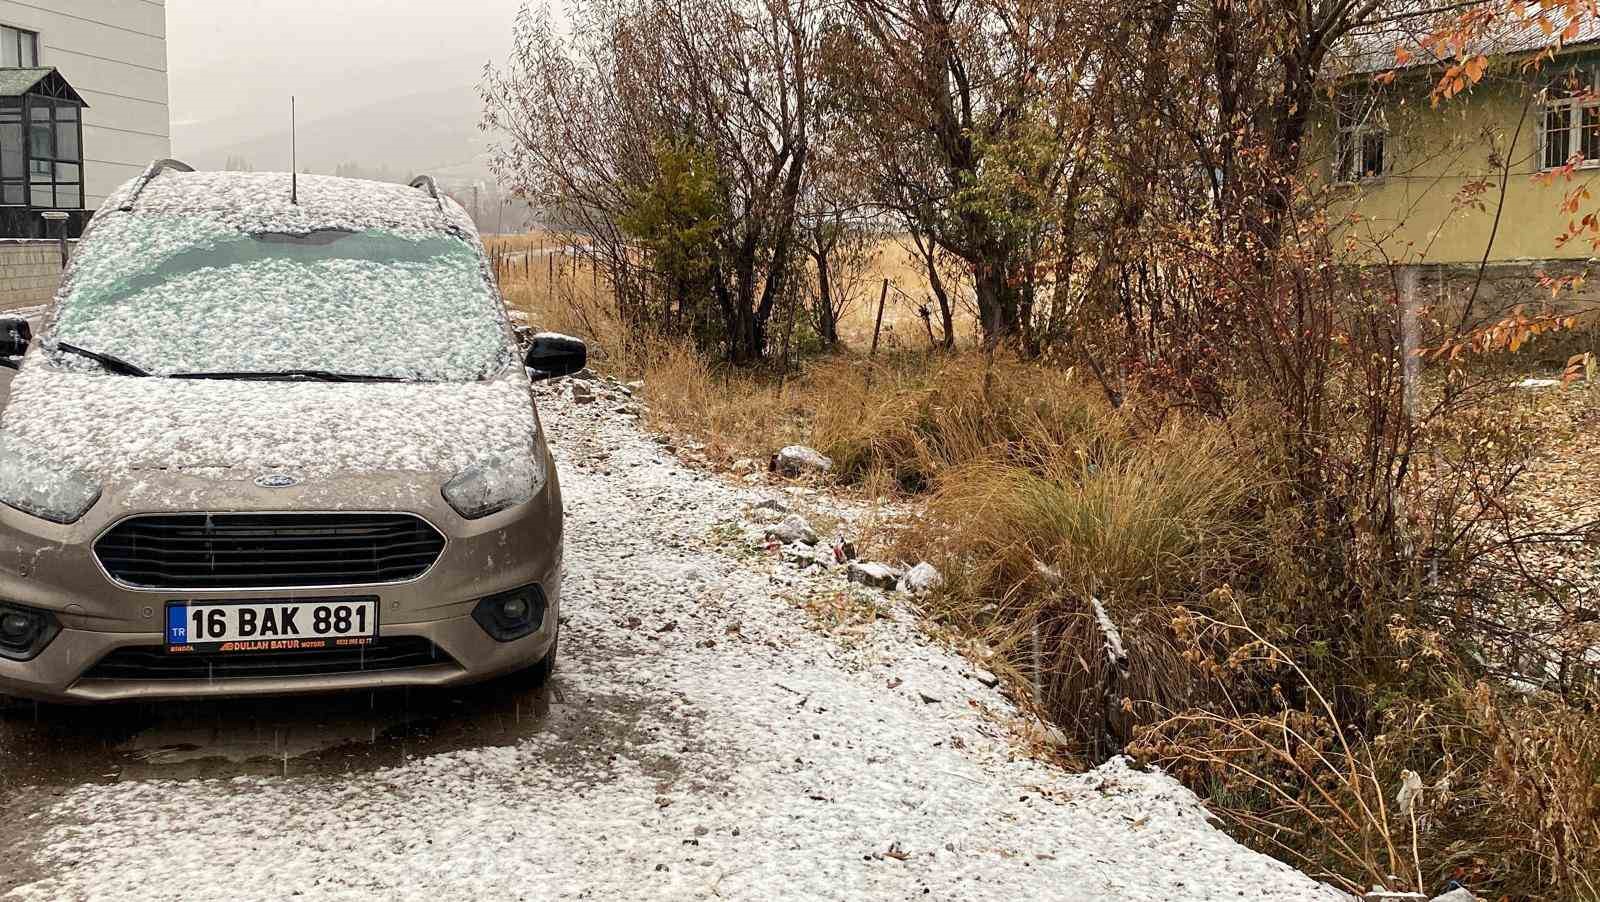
{"x": 591, "y": 118}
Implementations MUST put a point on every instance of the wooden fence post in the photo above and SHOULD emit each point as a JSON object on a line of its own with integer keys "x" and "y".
{"x": 882, "y": 296}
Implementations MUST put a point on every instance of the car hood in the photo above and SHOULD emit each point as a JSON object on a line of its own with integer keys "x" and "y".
{"x": 108, "y": 425}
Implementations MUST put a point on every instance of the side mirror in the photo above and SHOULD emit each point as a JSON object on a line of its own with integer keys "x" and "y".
{"x": 551, "y": 354}
{"x": 15, "y": 336}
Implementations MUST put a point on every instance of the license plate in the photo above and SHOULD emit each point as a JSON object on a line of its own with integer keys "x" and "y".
{"x": 305, "y": 624}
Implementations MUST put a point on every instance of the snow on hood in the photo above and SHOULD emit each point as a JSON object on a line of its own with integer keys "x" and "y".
{"x": 107, "y": 425}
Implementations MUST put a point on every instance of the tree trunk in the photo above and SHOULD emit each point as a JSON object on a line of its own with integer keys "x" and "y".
{"x": 930, "y": 260}
{"x": 999, "y": 303}
{"x": 827, "y": 321}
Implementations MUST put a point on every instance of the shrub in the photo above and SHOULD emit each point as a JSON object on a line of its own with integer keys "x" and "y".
{"x": 1042, "y": 529}
{"x": 1496, "y": 790}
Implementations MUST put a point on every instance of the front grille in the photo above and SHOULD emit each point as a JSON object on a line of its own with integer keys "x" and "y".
{"x": 151, "y": 662}
{"x": 241, "y": 551}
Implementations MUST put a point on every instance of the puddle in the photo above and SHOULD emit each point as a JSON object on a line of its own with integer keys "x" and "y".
{"x": 298, "y": 735}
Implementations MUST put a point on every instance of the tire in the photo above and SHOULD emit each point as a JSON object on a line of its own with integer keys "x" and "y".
{"x": 540, "y": 671}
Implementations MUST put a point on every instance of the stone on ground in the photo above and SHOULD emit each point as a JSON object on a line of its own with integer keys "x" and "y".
{"x": 798, "y": 460}
{"x": 924, "y": 577}
{"x": 792, "y": 529}
{"x": 878, "y": 576}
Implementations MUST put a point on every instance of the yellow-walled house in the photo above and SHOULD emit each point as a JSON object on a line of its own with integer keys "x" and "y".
{"x": 1480, "y": 178}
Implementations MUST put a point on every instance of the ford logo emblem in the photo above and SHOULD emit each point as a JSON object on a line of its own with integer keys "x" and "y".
{"x": 277, "y": 481}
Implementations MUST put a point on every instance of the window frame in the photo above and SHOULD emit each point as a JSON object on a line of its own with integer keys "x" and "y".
{"x": 63, "y": 194}
{"x": 20, "y": 33}
{"x": 1582, "y": 118}
{"x": 1358, "y": 120}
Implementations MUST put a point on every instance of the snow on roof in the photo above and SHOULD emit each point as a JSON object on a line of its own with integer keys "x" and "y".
{"x": 1373, "y": 48}
{"x": 260, "y": 202}
{"x": 17, "y": 81}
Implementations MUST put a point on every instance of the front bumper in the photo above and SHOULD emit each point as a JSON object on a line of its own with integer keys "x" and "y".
{"x": 51, "y": 567}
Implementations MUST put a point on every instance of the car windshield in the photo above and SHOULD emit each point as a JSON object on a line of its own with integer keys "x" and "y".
{"x": 182, "y": 295}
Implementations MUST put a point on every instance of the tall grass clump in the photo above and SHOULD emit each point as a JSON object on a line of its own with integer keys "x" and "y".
{"x": 916, "y": 417}
{"x": 1039, "y": 530}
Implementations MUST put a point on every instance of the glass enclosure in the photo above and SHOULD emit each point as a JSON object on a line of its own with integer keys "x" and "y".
{"x": 41, "y": 153}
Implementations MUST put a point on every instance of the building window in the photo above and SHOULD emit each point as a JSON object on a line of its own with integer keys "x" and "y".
{"x": 1361, "y": 144}
{"x": 18, "y": 48}
{"x": 1571, "y": 121}
{"x": 41, "y": 155}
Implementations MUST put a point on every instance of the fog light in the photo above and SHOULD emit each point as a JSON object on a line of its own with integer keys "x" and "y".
{"x": 511, "y": 615}
{"x": 15, "y": 628}
{"x": 25, "y": 632}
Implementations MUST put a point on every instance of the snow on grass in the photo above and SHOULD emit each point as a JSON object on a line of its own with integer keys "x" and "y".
{"x": 714, "y": 745}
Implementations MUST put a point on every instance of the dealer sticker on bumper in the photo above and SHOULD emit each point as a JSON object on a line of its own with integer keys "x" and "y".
{"x": 305, "y": 624}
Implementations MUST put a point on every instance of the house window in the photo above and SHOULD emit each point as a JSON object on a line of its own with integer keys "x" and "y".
{"x": 41, "y": 154}
{"x": 1571, "y": 122}
{"x": 18, "y": 47}
{"x": 1361, "y": 145}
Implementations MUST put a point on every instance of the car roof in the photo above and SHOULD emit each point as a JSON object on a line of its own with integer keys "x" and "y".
{"x": 261, "y": 202}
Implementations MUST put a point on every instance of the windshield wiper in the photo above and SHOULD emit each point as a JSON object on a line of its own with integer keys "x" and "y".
{"x": 112, "y": 364}
{"x": 290, "y": 375}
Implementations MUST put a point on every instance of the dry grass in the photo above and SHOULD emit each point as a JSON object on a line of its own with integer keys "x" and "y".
{"x": 739, "y": 414}
{"x": 1040, "y": 529}
{"x": 903, "y": 329}
{"x": 539, "y": 276}
{"x": 1041, "y": 498}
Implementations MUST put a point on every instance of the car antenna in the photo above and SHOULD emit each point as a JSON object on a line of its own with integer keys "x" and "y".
{"x": 294, "y": 160}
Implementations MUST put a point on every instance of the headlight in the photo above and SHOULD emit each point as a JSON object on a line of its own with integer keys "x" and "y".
{"x": 496, "y": 484}
{"x": 34, "y": 485}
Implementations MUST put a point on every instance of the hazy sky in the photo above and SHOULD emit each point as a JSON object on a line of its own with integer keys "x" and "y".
{"x": 232, "y": 64}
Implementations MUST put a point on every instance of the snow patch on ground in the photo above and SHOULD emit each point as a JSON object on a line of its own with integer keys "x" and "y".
{"x": 734, "y": 751}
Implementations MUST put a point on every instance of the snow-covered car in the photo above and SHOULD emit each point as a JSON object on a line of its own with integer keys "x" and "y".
{"x": 275, "y": 435}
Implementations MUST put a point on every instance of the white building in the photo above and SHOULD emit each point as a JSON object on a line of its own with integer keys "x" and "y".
{"x": 113, "y": 54}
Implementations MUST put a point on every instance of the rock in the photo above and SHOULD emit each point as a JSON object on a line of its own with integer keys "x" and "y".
{"x": 798, "y": 460}
{"x": 585, "y": 375}
{"x": 792, "y": 529}
{"x": 1534, "y": 382}
{"x": 878, "y": 576}
{"x": 769, "y": 511}
{"x": 928, "y": 699}
{"x": 985, "y": 677}
{"x": 636, "y": 385}
{"x": 802, "y": 556}
{"x": 629, "y": 410}
{"x": 582, "y": 393}
{"x": 1459, "y": 894}
{"x": 924, "y": 577}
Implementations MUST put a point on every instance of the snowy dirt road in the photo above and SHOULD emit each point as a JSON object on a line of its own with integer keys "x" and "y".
{"x": 701, "y": 739}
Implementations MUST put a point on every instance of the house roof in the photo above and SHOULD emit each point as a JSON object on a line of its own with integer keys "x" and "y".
{"x": 15, "y": 82}
{"x": 1373, "y": 49}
